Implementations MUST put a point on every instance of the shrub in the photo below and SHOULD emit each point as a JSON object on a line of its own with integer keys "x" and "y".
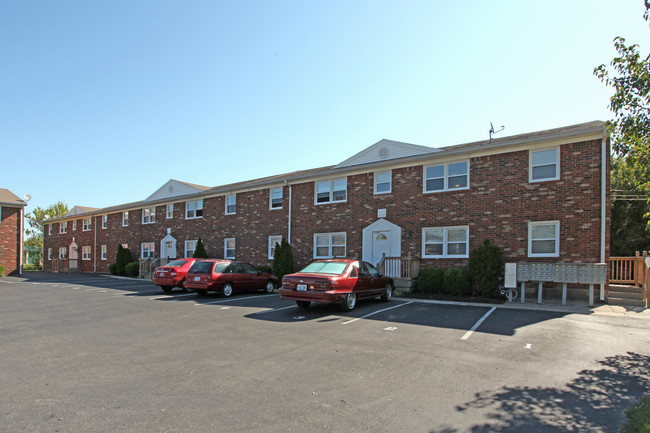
{"x": 112, "y": 269}
{"x": 199, "y": 251}
{"x": 282, "y": 259}
{"x": 456, "y": 282}
{"x": 265, "y": 268}
{"x": 122, "y": 258}
{"x": 486, "y": 265}
{"x": 31, "y": 268}
{"x": 132, "y": 269}
{"x": 2, "y": 271}
{"x": 430, "y": 280}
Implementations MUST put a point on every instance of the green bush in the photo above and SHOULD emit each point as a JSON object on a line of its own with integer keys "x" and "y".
{"x": 486, "y": 265}
{"x": 112, "y": 269}
{"x": 199, "y": 251}
{"x": 282, "y": 259}
{"x": 2, "y": 271}
{"x": 122, "y": 258}
{"x": 456, "y": 282}
{"x": 430, "y": 280}
{"x": 265, "y": 268}
{"x": 132, "y": 269}
{"x": 31, "y": 268}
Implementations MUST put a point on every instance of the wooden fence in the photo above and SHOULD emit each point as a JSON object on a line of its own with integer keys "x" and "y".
{"x": 400, "y": 267}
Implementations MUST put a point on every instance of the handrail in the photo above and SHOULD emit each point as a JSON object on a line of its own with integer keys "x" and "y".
{"x": 400, "y": 267}
{"x": 646, "y": 281}
{"x": 625, "y": 270}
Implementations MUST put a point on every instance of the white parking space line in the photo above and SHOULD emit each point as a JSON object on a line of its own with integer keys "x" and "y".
{"x": 155, "y": 298}
{"x": 234, "y": 299}
{"x": 477, "y": 324}
{"x": 377, "y": 312}
{"x": 274, "y": 309}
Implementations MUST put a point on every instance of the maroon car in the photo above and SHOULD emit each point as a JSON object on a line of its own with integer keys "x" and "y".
{"x": 172, "y": 274}
{"x": 339, "y": 281}
{"x": 226, "y": 277}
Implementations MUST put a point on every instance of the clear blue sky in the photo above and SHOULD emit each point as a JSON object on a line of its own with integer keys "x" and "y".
{"x": 102, "y": 102}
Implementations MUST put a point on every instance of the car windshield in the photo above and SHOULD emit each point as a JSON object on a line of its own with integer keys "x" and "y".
{"x": 176, "y": 263}
{"x": 336, "y": 268}
{"x": 220, "y": 267}
{"x": 201, "y": 267}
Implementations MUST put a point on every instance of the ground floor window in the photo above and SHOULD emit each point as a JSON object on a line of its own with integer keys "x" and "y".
{"x": 329, "y": 245}
{"x": 272, "y": 241}
{"x": 49, "y": 253}
{"x": 103, "y": 252}
{"x": 190, "y": 247}
{"x": 148, "y": 249}
{"x": 85, "y": 253}
{"x": 441, "y": 242}
{"x": 229, "y": 248}
{"x": 63, "y": 253}
{"x": 544, "y": 239}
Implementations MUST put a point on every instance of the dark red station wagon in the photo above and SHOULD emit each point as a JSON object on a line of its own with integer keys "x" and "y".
{"x": 226, "y": 277}
{"x": 339, "y": 281}
{"x": 172, "y": 274}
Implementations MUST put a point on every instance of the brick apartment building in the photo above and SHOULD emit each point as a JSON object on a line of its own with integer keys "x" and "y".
{"x": 11, "y": 228}
{"x": 541, "y": 196}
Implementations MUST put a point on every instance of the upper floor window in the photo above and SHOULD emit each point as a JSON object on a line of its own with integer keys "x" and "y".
{"x": 229, "y": 248}
{"x": 63, "y": 227}
{"x": 544, "y": 165}
{"x": 328, "y": 245}
{"x": 104, "y": 221}
{"x": 87, "y": 224}
{"x": 125, "y": 218}
{"x": 194, "y": 209}
{"x": 148, "y": 250}
{"x": 231, "y": 204}
{"x": 169, "y": 211}
{"x": 74, "y": 225}
{"x": 383, "y": 182}
{"x": 446, "y": 177}
{"x": 275, "y": 198}
{"x": 441, "y": 242}
{"x": 49, "y": 229}
{"x": 272, "y": 241}
{"x": 149, "y": 215}
{"x": 544, "y": 239}
{"x": 332, "y": 191}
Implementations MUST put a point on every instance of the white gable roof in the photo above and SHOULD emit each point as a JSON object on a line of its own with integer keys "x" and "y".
{"x": 80, "y": 210}
{"x": 174, "y": 188}
{"x": 385, "y": 150}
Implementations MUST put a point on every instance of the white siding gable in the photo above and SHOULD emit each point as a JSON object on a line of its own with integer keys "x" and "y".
{"x": 174, "y": 188}
{"x": 386, "y": 150}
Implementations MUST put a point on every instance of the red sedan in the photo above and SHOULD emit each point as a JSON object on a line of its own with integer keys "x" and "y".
{"x": 339, "y": 281}
{"x": 172, "y": 274}
{"x": 226, "y": 277}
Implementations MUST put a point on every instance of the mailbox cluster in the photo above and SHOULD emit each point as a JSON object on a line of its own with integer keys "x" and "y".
{"x": 565, "y": 273}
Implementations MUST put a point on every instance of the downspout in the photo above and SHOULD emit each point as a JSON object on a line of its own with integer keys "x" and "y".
{"x": 603, "y": 204}
{"x": 22, "y": 224}
{"x": 289, "y": 222}
{"x": 95, "y": 249}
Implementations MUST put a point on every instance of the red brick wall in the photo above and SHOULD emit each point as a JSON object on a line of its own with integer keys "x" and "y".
{"x": 10, "y": 239}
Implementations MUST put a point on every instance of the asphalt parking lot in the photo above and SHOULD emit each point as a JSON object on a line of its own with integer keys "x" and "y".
{"x": 85, "y": 353}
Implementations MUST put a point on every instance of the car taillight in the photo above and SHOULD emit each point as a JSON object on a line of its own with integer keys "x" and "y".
{"x": 288, "y": 284}
{"x": 321, "y": 285}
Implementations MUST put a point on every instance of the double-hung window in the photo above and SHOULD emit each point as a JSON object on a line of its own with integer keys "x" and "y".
{"x": 275, "y": 198}
{"x": 446, "y": 177}
{"x": 149, "y": 215}
{"x": 544, "y": 165}
{"x": 85, "y": 253}
{"x": 49, "y": 253}
{"x": 231, "y": 204}
{"x": 229, "y": 248}
{"x": 104, "y": 221}
{"x": 193, "y": 209}
{"x": 442, "y": 242}
{"x": 148, "y": 250}
{"x": 49, "y": 229}
{"x": 63, "y": 227}
{"x": 329, "y": 245}
{"x": 125, "y": 218}
{"x": 169, "y": 211}
{"x": 74, "y": 225}
{"x": 272, "y": 241}
{"x": 63, "y": 253}
{"x": 383, "y": 182}
{"x": 190, "y": 247}
{"x": 103, "y": 252}
{"x": 87, "y": 224}
{"x": 544, "y": 239}
{"x": 332, "y": 191}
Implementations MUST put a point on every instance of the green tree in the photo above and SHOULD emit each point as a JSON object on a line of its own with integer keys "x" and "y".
{"x": 34, "y": 229}
{"x": 486, "y": 264}
{"x": 630, "y": 78}
{"x": 122, "y": 258}
{"x": 282, "y": 259}
{"x": 199, "y": 251}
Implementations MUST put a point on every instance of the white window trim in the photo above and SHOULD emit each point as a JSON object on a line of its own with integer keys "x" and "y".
{"x": 532, "y": 224}
{"x": 74, "y": 225}
{"x": 271, "y": 198}
{"x": 85, "y": 252}
{"x": 390, "y": 182}
{"x": 445, "y": 243}
{"x": 152, "y": 215}
{"x": 86, "y": 227}
{"x": 49, "y": 229}
{"x": 331, "y": 235}
{"x": 234, "y": 203}
{"x": 195, "y": 210}
{"x": 125, "y": 218}
{"x": 169, "y": 211}
{"x": 530, "y": 165}
{"x": 103, "y": 252}
{"x": 331, "y": 191}
{"x": 445, "y": 177}
{"x": 63, "y": 253}
{"x": 273, "y": 239}
{"x": 104, "y": 221}
{"x": 49, "y": 253}
{"x": 225, "y": 248}
{"x": 151, "y": 250}
{"x": 63, "y": 227}
{"x": 186, "y": 250}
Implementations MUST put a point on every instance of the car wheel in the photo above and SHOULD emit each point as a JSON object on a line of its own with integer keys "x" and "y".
{"x": 202, "y": 292}
{"x": 226, "y": 289}
{"x": 349, "y": 302}
{"x": 388, "y": 293}
{"x": 303, "y": 304}
{"x": 166, "y": 289}
{"x": 269, "y": 287}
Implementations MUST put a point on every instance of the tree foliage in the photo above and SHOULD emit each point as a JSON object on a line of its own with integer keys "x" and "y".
{"x": 34, "y": 229}
{"x": 282, "y": 259}
{"x": 630, "y": 78}
{"x": 122, "y": 258}
{"x": 199, "y": 251}
{"x": 630, "y": 208}
{"x": 486, "y": 264}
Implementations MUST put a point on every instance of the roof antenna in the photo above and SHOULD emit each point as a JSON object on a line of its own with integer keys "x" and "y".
{"x": 492, "y": 131}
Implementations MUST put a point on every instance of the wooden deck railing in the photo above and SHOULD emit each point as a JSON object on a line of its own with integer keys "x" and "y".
{"x": 400, "y": 267}
{"x": 628, "y": 270}
{"x": 646, "y": 280}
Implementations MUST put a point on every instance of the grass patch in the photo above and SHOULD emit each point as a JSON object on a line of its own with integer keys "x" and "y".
{"x": 638, "y": 418}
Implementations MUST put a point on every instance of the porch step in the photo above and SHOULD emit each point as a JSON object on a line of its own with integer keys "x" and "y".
{"x": 404, "y": 285}
{"x": 626, "y": 296}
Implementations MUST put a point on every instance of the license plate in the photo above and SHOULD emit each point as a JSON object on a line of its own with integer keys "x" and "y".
{"x": 161, "y": 274}
{"x": 197, "y": 278}
{"x": 301, "y": 287}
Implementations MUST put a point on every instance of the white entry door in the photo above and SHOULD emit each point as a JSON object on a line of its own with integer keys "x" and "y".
{"x": 381, "y": 243}
{"x": 73, "y": 256}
